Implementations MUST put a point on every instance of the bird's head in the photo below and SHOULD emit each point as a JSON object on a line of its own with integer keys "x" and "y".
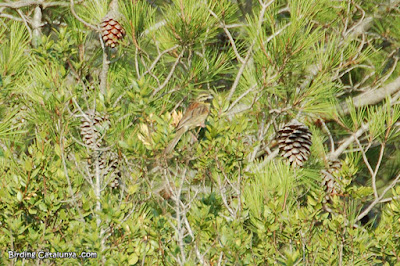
{"x": 204, "y": 97}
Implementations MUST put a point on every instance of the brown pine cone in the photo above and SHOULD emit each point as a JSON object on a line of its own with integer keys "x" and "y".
{"x": 294, "y": 141}
{"x": 111, "y": 31}
{"x": 91, "y": 126}
{"x": 330, "y": 182}
{"x": 108, "y": 163}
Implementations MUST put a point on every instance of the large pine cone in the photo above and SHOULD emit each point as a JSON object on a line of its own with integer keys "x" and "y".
{"x": 111, "y": 31}
{"x": 294, "y": 141}
{"x": 92, "y": 126}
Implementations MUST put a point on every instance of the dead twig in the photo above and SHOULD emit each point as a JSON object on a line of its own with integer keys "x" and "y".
{"x": 378, "y": 200}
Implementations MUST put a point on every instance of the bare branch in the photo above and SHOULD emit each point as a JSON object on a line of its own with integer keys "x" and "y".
{"x": 372, "y": 97}
{"x": 229, "y": 36}
{"x": 378, "y": 200}
{"x": 327, "y": 131}
{"x": 378, "y": 165}
{"x": 240, "y": 72}
{"x": 26, "y": 21}
{"x": 249, "y": 52}
{"x": 241, "y": 97}
{"x": 36, "y": 25}
{"x": 390, "y": 199}
{"x": 335, "y": 154}
{"x": 104, "y": 69}
{"x": 21, "y": 4}
{"x": 371, "y": 171}
{"x": 87, "y": 24}
{"x": 171, "y": 72}
{"x": 271, "y": 156}
{"x": 154, "y": 27}
{"x": 158, "y": 59}
{"x": 3, "y": 15}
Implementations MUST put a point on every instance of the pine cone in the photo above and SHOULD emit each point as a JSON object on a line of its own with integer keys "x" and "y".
{"x": 329, "y": 182}
{"x": 111, "y": 31}
{"x": 108, "y": 167}
{"x": 109, "y": 163}
{"x": 91, "y": 128}
{"x": 294, "y": 141}
{"x": 114, "y": 170}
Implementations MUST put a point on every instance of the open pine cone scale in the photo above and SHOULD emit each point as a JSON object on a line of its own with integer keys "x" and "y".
{"x": 111, "y": 31}
{"x": 294, "y": 141}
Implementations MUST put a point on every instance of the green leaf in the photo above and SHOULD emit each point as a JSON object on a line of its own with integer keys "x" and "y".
{"x": 133, "y": 259}
{"x": 32, "y": 211}
{"x": 19, "y": 196}
{"x": 42, "y": 206}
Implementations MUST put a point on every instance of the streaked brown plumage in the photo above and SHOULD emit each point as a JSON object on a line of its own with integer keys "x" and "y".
{"x": 194, "y": 116}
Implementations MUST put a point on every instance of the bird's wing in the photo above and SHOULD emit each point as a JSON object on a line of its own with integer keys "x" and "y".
{"x": 194, "y": 116}
{"x": 173, "y": 143}
{"x": 191, "y": 113}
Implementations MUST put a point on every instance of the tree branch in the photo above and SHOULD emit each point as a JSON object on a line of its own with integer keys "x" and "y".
{"x": 21, "y": 4}
{"x": 87, "y": 24}
{"x": 378, "y": 200}
{"x": 158, "y": 59}
{"x": 335, "y": 154}
{"x": 36, "y": 26}
{"x": 170, "y": 73}
{"x": 372, "y": 97}
{"x": 229, "y": 37}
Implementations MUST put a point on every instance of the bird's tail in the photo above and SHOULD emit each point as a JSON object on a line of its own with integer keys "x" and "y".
{"x": 175, "y": 141}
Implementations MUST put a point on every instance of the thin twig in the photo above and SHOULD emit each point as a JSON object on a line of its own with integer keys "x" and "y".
{"x": 87, "y": 24}
{"x": 229, "y": 36}
{"x": 158, "y": 59}
{"x": 327, "y": 131}
{"x": 378, "y": 164}
{"x": 25, "y": 3}
{"x": 26, "y": 21}
{"x": 121, "y": 222}
{"x": 334, "y": 155}
{"x": 271, "y": 156}
{"x": 378, "y": 200}
{"x": 171, "y": 72}
{"x": 372, "y": 96}
{"x": 240, "y": 72}
{"x": 389, "y": 199}
{"x": 250, "y": 51}
{"x": 4, "y": 15}
{"x": 371, "y": 171}
{"x": 241, "y": 97}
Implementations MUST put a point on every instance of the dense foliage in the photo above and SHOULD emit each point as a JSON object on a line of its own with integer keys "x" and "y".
{"x": 225, "y": 195}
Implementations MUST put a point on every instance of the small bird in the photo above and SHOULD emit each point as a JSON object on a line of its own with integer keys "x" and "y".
{"x": 194, "y": 116}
